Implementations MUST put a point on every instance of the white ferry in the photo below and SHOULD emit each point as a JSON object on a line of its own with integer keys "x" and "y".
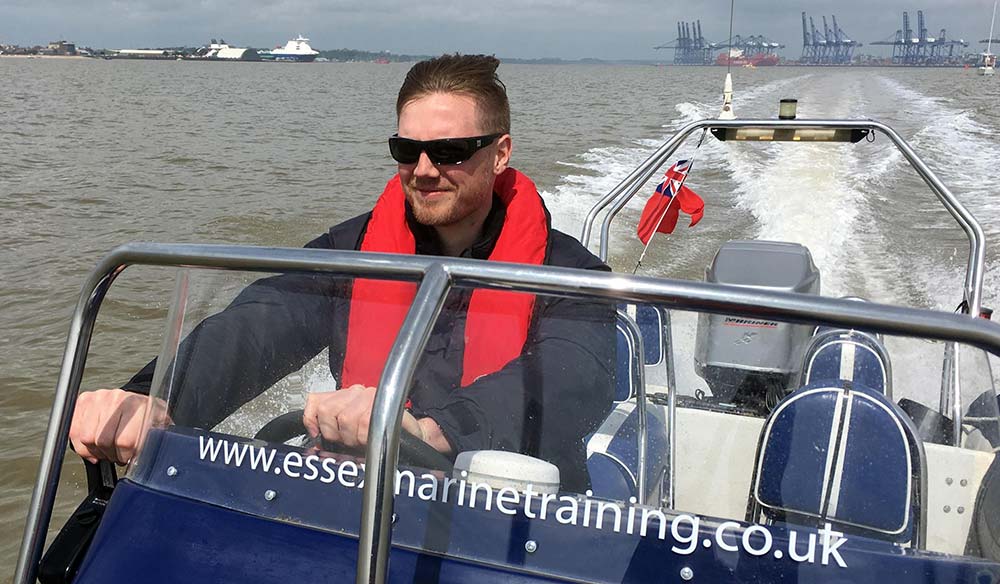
{"x": 221, "y": 51}
{"x": 295, "y": 50}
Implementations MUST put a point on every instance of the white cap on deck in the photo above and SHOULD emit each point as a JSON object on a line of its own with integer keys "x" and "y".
{"x": 500, "y": 469}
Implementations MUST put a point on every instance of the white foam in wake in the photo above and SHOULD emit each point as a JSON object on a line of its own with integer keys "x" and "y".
{"x": 602, "y": 168}
{"x": 963, "y": 153}
{"x": 808, "y": 194}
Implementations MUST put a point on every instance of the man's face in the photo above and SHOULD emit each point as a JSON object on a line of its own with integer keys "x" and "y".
{"x": 449, "y": 195}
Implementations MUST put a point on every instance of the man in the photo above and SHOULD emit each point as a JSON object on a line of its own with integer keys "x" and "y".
{"x": 503, "y": 370}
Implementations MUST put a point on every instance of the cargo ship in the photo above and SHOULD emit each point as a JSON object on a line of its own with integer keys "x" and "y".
{"x": 737, "y": 58}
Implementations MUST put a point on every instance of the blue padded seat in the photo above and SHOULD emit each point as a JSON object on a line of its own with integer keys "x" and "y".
{"x": 848, "y": 355}
{"x": 613, "y": 450}
{"x": 613, "y": 453}
{"x": 844, "y": 454}
{"x": 649, "y": 319}
{"x": 652, "y": 323}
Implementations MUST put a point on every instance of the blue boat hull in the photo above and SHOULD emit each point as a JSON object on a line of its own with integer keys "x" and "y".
{"x": 290, "y": 58}
{"x": 151, "y": 534}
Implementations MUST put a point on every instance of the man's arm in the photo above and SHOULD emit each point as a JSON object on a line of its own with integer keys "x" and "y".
{"x": 545, "y": 401}
{"x": 107, "y": 424}
{"x": 557, "y": 391}
{"x": 343, "y": 417}
{"x": 542, "y": 402}
{"x": 271, "y": 329}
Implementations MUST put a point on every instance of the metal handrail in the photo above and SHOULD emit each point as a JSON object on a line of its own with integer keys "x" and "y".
{"x": 635, "y": 336}
{"x": 627, "y": 188}
{"x": 671, "y": 409}
{"x": 437, "y": 274}
{"x": 386, "y": 419}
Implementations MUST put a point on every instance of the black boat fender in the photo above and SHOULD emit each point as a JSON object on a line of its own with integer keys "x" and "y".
{"x": 62, "y": 560}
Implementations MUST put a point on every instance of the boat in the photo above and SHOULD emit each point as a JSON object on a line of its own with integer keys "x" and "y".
{"x": 987, "y": 60}
{"x": 219, "y": 50}
{"x": 755, "y": 430}
{"x": 296, "y": 50}
{"x": 737, "y": 58}
{"x": 987, "y": 64}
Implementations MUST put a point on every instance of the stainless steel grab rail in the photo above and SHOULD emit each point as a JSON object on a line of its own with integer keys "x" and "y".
{"x": 635, "y": 336}
{"x": 437, "y": 274}
{"x": 628, "y": 187}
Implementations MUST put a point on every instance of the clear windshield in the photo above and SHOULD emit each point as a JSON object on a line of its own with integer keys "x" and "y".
{"x": 634, "y": 428}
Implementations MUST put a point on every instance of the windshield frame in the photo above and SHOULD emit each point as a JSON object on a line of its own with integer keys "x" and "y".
{"x": 630, "y": 185}
{"x": 437, "y": 275}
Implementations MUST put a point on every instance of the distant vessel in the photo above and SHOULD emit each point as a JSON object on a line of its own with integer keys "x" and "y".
{"x": 988, "y": 60}
{"x": 987, "y": 64}
{"x": 296, "y": 50}
{"x": 221, "y": 51}
{"x": 737, "y": 58}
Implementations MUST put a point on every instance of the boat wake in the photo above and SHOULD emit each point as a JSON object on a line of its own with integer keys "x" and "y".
{"x": 961, "y": 151}
{"x": 600, "y": 169}
{"x": 874, "y": 228}
{"x": 801, "y": 194}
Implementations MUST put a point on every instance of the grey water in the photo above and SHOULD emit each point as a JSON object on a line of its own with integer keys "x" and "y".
{"x": 95, "y": 153}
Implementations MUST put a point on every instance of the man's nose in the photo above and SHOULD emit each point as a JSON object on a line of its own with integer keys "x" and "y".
{"x": 425, "y": 167}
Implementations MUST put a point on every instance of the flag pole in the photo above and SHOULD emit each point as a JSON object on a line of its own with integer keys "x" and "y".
{"x": 672, "y": 200}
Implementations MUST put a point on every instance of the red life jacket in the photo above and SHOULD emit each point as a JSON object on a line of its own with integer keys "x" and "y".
{"x": 497, "y": 322}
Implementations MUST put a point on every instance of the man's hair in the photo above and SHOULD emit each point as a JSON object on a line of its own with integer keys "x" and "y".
{"x": 474, "y": 76}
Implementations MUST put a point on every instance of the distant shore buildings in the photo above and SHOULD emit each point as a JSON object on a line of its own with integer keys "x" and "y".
{"x": 55, "y": 48}
{"x": 219, "y": 50}
{"x": 61, "y": 48}
{"x": 215, "y": 50}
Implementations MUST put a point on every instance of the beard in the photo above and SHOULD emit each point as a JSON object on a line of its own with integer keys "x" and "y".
{"x": 449, "y": 208}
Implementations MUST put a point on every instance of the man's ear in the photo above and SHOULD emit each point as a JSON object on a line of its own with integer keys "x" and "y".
{"x": 504, "y": 148}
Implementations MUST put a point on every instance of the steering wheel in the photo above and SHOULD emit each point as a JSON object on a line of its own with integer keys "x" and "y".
{"x": 412, "y": 450}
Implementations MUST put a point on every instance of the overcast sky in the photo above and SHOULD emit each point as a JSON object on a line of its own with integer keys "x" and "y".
{"x": 570, "y": 29}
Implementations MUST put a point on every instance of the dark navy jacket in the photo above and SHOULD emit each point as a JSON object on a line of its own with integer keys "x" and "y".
{"x": 542, "y": 403}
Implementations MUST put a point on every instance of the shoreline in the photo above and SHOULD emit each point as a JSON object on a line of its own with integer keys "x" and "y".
{"x": 664, "y": 65}
{"x": 5, "y": 56}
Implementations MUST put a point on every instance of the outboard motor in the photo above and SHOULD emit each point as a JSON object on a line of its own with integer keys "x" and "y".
{"x": 743, "y": 360}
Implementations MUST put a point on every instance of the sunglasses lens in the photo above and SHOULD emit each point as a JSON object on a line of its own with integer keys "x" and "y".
{"x": 445, "y": 151}
{"x": 449, "y": 152}
{"x": 404, "y": 151}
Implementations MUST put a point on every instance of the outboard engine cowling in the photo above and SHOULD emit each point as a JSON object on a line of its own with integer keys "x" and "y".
{"x": 743, "y": 359}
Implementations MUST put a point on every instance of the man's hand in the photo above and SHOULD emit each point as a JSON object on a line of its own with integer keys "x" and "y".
{"x": 343, "y": 417}
{"x": 106, "y": 424}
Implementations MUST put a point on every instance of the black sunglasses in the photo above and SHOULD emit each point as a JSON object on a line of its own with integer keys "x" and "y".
{"x": 444, "y": 151}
